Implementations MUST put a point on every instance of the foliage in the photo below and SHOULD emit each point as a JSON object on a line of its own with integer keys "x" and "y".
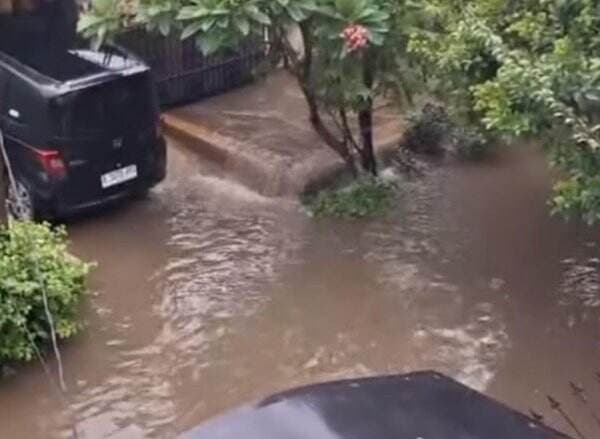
{"x": 353, "y": 51}
{"x": 364, "y": 198}
{"x": 429, "y": 130}
{"x": 215, "y": 23}
{"x": 434, "y": 131}
{"x": 470, "y": 142}
{"x": 104, "y": 20}
{"x": 525, "y": 68}
{"x": 34, "y": 260}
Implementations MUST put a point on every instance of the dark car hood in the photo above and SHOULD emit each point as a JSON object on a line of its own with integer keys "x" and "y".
{"x": 422, "y": 405}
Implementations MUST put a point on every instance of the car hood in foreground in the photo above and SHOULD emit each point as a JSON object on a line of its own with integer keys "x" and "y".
{"x": 423, "y": 405}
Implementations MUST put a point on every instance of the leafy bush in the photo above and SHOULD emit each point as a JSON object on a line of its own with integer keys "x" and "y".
{"x": 471, "y": 143}
{"x": 364, "y": 198}
{"x": 34, "y": 261}
{"x": 524, "y": 68}
{"x": 428, "y": 130}
{"x": 434, "y": 131}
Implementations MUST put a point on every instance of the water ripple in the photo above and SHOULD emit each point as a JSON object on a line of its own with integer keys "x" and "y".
{"x": 581, "y": 282}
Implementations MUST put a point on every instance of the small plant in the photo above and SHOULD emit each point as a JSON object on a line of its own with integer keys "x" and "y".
{"x": 471, "y": 143}
{"x": 434, "y": 131}
{"x": 364, "y": 198}
{"x": 35, "y": 265}
{"x": 429, "y": 130}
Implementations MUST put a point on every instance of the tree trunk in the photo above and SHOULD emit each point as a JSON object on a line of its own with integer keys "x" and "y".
{"x": 365, "y": 119}
{"x": 326, "y": 135}
{"x": 303, "y": 76}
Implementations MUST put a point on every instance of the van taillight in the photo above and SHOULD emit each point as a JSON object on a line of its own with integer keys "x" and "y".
{"x": 51, "y": 162}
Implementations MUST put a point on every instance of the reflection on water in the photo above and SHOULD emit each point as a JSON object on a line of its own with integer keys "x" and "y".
{"x": 208, "y": 295}
{"x": 581, "y": 284}
{"x": 216, "y": 259}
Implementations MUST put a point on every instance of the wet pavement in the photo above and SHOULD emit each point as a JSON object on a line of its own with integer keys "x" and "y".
{"x": 208, "y": 295}
{"x": 259, "y": 135}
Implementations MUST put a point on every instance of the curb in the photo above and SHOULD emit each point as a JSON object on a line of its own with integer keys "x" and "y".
{"x": 275, "y": 178}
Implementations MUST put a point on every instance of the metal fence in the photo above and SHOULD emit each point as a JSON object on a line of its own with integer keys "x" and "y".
{"x": 184, "y": 74}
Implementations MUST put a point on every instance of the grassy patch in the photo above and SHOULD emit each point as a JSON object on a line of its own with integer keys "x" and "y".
{"x": 366, "y": 197}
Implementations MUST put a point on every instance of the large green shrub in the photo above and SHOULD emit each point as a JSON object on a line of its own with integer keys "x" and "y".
{"x": 524, "y": 68}
{"x": 34, "y": 261}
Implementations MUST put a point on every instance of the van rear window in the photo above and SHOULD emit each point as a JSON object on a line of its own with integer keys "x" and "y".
{"x": 120, "y": 105}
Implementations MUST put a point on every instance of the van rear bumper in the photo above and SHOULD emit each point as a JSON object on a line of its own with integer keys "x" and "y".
{"x": 51, "y": 204}
{"x": 53, "y": 207}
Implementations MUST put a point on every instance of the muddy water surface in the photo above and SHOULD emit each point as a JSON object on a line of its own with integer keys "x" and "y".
{"x": 208, "y": 295}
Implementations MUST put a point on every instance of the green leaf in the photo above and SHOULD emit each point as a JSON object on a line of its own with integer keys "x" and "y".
{"x": 192, "y": 12}
{"x": 192, "y": 29}
{"x": 208, "y": 23}
{"x": 296, "y": 13}
{"x": 164, "y": 26}
{"x": 242, "y": 24}
{"x": 87, "y": 21}
{"x": 210, "y": 43}
{"x": 376, "y": 38}
{"x": 259, "y": 17}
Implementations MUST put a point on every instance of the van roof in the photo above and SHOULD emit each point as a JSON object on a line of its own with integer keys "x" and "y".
{"x": 69, "y": 70}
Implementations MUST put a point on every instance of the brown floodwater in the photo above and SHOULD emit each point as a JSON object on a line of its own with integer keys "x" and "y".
{"x": 208, "y": 295}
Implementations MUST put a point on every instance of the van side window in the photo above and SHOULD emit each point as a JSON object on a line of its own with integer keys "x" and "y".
{"x": 23, "y": 114}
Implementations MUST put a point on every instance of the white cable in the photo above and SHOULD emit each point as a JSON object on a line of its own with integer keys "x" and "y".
{"x": 53, "y": 384}
{"x": 61, "y": 375}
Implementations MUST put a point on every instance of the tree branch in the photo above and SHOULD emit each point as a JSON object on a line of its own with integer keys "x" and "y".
{"x": 303, "y": 76}
{"x": 346, "y": 124}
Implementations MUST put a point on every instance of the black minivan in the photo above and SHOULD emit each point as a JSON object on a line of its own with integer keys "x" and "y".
{"x": 81, "y": 128}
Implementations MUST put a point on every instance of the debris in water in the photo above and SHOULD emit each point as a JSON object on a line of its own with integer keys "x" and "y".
{"x": 315, "y": 360}
{"x": 497, "y": 283}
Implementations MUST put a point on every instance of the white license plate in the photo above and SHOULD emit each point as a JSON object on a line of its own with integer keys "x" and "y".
{"x": 118, "y": 176}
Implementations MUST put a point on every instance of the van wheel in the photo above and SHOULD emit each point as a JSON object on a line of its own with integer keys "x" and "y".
{"x": 20, "y": 202}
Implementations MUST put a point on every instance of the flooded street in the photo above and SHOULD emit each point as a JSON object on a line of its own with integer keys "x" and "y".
{"x": 207, "y": 295}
